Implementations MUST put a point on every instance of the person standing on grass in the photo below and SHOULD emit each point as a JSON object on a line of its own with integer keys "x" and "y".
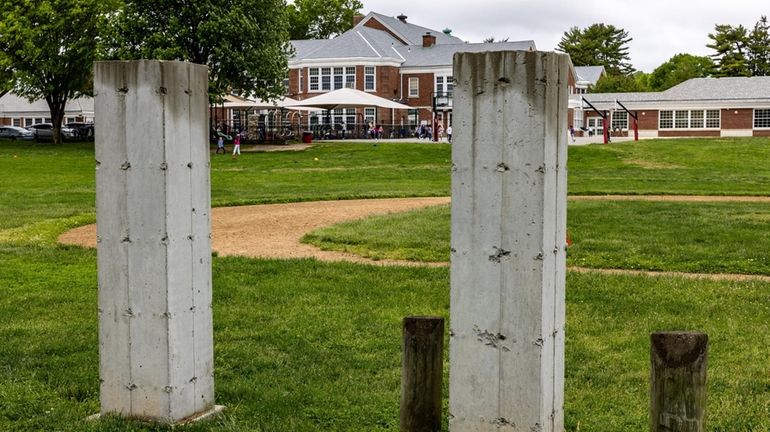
{"x": 237, "y": 145}
{"x": 220, "y": 145}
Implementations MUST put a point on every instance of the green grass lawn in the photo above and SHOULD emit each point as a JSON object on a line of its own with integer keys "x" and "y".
{"x": 671, "y": 236}
{"x": 308, "y": 346}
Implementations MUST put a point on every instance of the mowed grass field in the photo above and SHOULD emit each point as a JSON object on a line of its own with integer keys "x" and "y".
{"x": 308, "y": 346}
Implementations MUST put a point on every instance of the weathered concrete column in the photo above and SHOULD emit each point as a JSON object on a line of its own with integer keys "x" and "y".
{"x": 154, "y": 248}
{"x": 509, "y": 200}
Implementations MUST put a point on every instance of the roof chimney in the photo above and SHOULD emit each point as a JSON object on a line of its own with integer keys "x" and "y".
{"x": 428, "y": 40}
{"x": 402, "y": 18}
{"x": 357, "y": 18}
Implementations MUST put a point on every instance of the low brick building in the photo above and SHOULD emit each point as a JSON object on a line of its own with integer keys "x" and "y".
{"x": 699, "y": 107}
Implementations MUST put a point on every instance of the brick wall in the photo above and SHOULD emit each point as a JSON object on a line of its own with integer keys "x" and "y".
{"x": 294, "y": 82}
{"x": 648, "y": 120}
{"x": 737, "y": 119}
{"x": 688, "y": 133}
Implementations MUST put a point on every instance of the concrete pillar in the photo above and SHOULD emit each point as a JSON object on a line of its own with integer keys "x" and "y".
{"x": 153, "y": 231}
{"x": 509, "y": 200}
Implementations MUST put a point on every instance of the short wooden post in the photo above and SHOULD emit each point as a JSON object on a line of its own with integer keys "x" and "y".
{"x": 422, "y": 374}
{"x": 678, "y": 382}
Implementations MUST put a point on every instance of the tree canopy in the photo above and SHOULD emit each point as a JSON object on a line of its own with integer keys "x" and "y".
{"x": 243, "y": 42}
{"x": 680, "y": 68}
{"x": 731, "y": 51}
{"x": 598, "y": 45}
{"x": 636, "y": 82}
{"x": 321, "y": 19}
{"x": 47, "y": 49}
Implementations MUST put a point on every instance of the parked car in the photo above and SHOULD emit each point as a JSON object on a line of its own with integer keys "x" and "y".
{"x": 14, "y": 133}
{"x": 83, "y": 131}
{"x": 44, "y": 131}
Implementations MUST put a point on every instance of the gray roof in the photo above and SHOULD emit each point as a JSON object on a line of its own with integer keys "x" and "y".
{"x": 358, "y": 42}
{"x": 696, "y": 89}
{"x": 589, "y": 73}
{"x": 441, "y": 55}
{"x": 411, "y": 32}
{"x": 721, "y": 88}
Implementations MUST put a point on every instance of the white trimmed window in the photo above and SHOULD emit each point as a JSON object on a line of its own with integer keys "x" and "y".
{"x": 666, "y": 120}
{"x": 681, "y": 119}
{"x": 761, "y": 118}
{"x": 689, "y": 119}
{"x": 369, "y": 83}
{"x": 443, "y": 86}
{"x": 696, "y": 119}
{"x": 339, "y": 78}
{"x": 28, "y": 122}
{"x": 577, "y": 119}
{"x": 326, "y": 79}
{"x": 414, "y": 87}
{"x": 370, "y": 115}
{"x": 313, "y": 73}
{"x": 619, "y": 120}
{"x": 17, "y": 122}
{"x": 350, "y": 77}
{"x": 713, "y": 119}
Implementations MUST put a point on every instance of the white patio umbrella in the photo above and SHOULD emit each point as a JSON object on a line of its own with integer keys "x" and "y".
{"x": 347, "y": 98}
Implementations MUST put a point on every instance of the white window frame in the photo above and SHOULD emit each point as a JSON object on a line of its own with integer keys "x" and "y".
{"x": 370, "y": 115}
{"x": 370, "y": 72}
{"x": 314, "y": 80}
{"x": 16, "y": 122}
{"x": 765, "y": 118}
{"x": 619, "y": 120}
{"x": 577, "y": 119}
{"x": 350, "y": 77}
{"x": 414, "y": 87}
{"x": 705, "y": 121}
{"x": 446, "y": 87}
{"x": 326, "y": 79}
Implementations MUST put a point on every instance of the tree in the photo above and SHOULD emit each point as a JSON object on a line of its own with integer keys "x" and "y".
{"x": 491, "y": 39}
{"x": 636, "y": 82}
{"x": 730, "y": 43}
{"x": 321, "y": 19}
{"x": 243, "y": 42}
{"x": 598, "y": 45}
{"x": 680, "y": 68}
{"x": 759, "y": 48}
{"x": 47, "y": 49}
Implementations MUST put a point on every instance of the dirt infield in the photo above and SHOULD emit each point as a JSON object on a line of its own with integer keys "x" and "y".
{"x": 275, "y": 230}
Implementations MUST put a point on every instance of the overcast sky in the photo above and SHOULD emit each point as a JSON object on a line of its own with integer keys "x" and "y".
{"x": 659, "y": 28}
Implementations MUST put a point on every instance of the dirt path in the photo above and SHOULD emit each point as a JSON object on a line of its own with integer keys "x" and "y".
{"x": 275, "y": 230}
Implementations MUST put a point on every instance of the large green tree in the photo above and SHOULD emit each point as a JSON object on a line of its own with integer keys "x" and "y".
{"x": 730, "y": 44}
{"x": 759, "y": 48}
{"x": 680, "y": 68}
{"x": 47, "y": 49}
{"x": 321, "y": 19}
{"x": 636, "y": 82}
{"x": 598, "y": 45}
{"x": 243, "y": 42}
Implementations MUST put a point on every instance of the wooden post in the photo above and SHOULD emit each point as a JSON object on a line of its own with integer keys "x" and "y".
{"x": 422, "y": 374}
{"x": 509, "y": 204}
{"x": 678, "y": 382}
{"x": 153, "y": 232}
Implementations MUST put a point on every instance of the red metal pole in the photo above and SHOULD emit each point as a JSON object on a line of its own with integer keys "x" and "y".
{"x": 636, "y": 130}
{"x": 606, "y": 127}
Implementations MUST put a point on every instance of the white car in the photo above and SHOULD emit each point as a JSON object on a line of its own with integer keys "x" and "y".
{"x": 44, "y": 131}
{"x": 15, "y": 132}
